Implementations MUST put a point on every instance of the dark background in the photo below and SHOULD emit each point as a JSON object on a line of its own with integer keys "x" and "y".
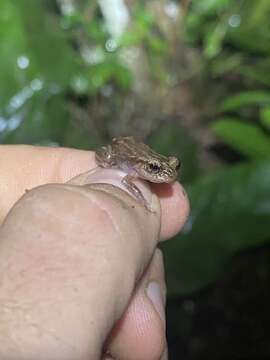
{"x": 191, "y": 78}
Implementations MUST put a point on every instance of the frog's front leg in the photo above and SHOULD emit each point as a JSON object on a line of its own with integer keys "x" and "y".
{"x": 127, "y": 181}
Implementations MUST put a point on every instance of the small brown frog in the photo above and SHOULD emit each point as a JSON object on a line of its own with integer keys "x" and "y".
{"x": 137, "y": 160}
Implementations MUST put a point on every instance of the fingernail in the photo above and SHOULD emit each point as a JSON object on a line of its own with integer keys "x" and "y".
{"x": 155, "y": 295}
{"x": 112, "y": 177}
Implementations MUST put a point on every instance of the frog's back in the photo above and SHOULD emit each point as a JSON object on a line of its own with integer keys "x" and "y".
{"x": 129, "y": 149}
{"x": 124, "y": 148}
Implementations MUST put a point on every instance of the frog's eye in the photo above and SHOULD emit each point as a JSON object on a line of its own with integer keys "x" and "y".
{"x": 155, "y": 168}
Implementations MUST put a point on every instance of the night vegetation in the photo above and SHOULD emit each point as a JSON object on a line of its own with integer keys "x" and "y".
{"x": 191, "y": 78}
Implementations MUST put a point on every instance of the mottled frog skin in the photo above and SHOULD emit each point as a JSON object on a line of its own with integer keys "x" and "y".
{"x": 137, "y": 160}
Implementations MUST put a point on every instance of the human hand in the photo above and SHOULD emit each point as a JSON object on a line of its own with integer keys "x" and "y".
{"x": 80, "y": 272}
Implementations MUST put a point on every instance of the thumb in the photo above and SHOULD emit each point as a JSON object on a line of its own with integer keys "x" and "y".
{"x": 70, "y": 258}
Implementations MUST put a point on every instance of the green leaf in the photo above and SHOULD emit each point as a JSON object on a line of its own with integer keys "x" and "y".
{"x": 245, "y": 98}
{"x": 260, "y": 13}
{"x": 97, "y": 31}
{"x": 226, "y": 63}
{"x": 108, "y": 71}
{"x": 259, "y": 73}
{"x": 230, "y": 211}
{"x": 214, "y": 39}
{"x": 122, "y": 76}
{"x": 253, "y": 34}
{"x": 130, "y": 38}
{"x": 157, "y": 46}
{"x": 265, "y": 117}
{"x": 210, "y": 6}
{"x": 248, "y": 139}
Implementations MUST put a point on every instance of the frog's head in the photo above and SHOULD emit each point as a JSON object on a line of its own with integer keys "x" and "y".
{"x": 160, "y": 170}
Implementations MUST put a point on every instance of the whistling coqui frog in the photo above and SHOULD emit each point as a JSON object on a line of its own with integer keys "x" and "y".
{"x": 137, "y": 160}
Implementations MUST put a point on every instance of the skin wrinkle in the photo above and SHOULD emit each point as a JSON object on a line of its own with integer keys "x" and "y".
{"x": 46, "y": 272}
{"x": 106, "y": 189}
{"x": 103, "y": 210}
{"x": 8, "y": 266}
{"x": 117, "y": 229}
{"x": 141, "y": 236}
{"x": 36, "y": 305}
{"x": 122, "y": 237}
{"x": 110, "y": 217}
{"x": 26, "y": 319}
{"x": 118, "y": 232}
{"x": 96, "y": 202}
{"x": 114, "y": 224}
{"x": 41, "y": 332}
{"x": 79, "y": 162}
{"x": 47, "y": 212}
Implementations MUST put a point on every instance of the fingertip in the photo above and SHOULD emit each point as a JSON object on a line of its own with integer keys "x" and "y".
{"x": 175, "y": 208}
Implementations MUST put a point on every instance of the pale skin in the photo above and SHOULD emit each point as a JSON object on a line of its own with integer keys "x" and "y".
{"x": 76, "y": 258}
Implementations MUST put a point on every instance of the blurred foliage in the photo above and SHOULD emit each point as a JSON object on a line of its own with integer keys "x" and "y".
{"x": 237, "y": 202}
{"x": 187, "y": 76}
{"x": 230, "y": 208}
{"x": 59, "y": 63}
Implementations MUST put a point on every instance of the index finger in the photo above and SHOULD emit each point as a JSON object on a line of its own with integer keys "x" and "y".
{"x": 24, "y": 167}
